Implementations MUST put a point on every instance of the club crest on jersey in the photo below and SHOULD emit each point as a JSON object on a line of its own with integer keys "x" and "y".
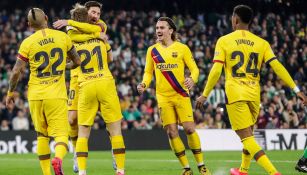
{"x": 174, "y": 54}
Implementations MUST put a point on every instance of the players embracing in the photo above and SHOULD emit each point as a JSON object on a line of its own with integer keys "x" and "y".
{"x": 88, "y": 33}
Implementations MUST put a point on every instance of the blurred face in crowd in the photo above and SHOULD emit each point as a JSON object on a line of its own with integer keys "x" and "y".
{"x": 94, "y": 14}
{"x": 163, "y": 31}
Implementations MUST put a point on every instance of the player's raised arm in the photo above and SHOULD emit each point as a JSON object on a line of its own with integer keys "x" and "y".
{"x": 76, "y": 36}
{"x": 148, "y": 73}
{"x": 190, "y": 62}
{"x": 81, "y": 26}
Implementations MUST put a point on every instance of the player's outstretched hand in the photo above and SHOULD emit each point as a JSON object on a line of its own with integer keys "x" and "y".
{"x": 189, "y": 83}
{"x": 60, "y": 23}
{"x": 9, "y": 99}
{"x": 302, "y": 97}
{"x": 200, "y": 103}
{"x": 141, "y": 88}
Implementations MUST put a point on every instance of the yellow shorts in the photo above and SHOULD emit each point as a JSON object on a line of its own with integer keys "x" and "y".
{"x": 49, "y": 116}
{"x": 73, "y": 94}
{"x": 97, "y": 94}
{"x": 243, "y": 114}
{"x": 177, "y": 109}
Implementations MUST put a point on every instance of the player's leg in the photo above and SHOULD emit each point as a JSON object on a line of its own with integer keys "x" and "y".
{"x": 118, "y": 146}
{"x": 72, "y": 110}
{"x": 301, "y": 165}
{"x": 177, "y": 146}
{"x": 169, "y": 120}
{"x": 82, "y": 148}
{"x": 241, "y": 118}
{"x": 73, "y": 126}
{"x": 87, "y": 109}
{"x": 113, "y": 158}
{"x": 111, "y": 112}
{"x": 40, "y": 125}
{"x": 185, "y": 116}
{"x": 57, "y": 120}
{"x": 72, "y": 116}
{"x": 245, "y": 162}
{"x": 73, "y": 135}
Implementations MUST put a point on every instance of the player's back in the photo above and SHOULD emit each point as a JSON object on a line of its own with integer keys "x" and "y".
{"x": 46, "y": 51}
{"x": 244, "y": 54}
{"x": 94, "y": 61}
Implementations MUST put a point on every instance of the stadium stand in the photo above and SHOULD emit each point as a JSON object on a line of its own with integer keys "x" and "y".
{"x": 131, "y": 31}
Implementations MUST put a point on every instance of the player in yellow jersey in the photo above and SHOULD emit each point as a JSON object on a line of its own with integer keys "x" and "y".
{"x": 80, "y": 30}
{"x": 168, "y": 59}
{"x": 96, "y": 85}
{"x": 242, "y": 53}
{"x": 46, "y": 51}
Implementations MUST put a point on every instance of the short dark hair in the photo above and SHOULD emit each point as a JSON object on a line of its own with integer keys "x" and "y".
{"x": 172, "y": 26}
{"x": 90, "y": 4}
{"x": 244, "y": 12}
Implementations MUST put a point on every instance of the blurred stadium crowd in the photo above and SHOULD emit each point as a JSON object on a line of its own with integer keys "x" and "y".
{"x": 131, "y": 33}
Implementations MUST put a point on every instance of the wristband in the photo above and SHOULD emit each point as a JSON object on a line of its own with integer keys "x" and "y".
{"x": 296, "y": 89}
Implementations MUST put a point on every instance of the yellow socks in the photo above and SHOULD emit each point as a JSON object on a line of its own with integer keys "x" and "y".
{"x": 246, "y": 161}
{"x": 194, "y": 144}
{"x": 61, "y": 147}
{"x": 179, "y": 149}
{"x": 82, "y": 152}
{"x": 73, "y": 134}
{"x": 43, "y": 152}
{"x": 119, "y": 151}
{"x": 255, "y": 150}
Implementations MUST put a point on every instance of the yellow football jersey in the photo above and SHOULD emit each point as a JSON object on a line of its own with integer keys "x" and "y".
{"x": 168, "y": 64}
{"x": 242, "y": 54}
{"x": 80, "y": 32}
{"x": 46, "y": 51}
{"x": 94, "y": 61}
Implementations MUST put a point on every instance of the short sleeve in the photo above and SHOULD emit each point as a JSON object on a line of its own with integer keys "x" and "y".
{"x": 23, "y": 52}
{"x": 219, "y": 52}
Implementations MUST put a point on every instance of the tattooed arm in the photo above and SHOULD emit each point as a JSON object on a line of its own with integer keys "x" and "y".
{"x": 74, "y": 57}
{"x": 19, "y": 67}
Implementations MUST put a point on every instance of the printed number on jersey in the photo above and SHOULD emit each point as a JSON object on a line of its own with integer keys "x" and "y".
{"x": 43, "y": 70}
{"x": 251, "y": 65}
{"x": 87, "y": 58}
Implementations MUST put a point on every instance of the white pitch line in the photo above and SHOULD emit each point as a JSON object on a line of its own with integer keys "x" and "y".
{"x": 146, "y": 160}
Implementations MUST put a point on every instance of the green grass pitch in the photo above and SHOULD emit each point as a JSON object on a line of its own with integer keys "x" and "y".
{"x": 151, "y": 163}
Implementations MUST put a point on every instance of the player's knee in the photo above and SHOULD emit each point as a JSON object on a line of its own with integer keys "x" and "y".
{"x": 172, "y": 133}
{"x": 189, "y": 130}
{"x": 72, "y": 122}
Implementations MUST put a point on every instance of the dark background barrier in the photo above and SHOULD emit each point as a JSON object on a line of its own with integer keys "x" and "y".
{"x": 25, "y": 141}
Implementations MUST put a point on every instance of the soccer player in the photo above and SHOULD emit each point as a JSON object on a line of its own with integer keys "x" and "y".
{"x": 97, "y": 90}
{"x": 46, "y": 51}
{"x": 242, "y": 53}
{"x": 168, "y": 59}
{"x": 80, "y": 31}
{"x": 301, "y": 165}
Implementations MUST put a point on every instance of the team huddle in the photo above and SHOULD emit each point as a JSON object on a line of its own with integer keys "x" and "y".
{"x": 83, "y": 48}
